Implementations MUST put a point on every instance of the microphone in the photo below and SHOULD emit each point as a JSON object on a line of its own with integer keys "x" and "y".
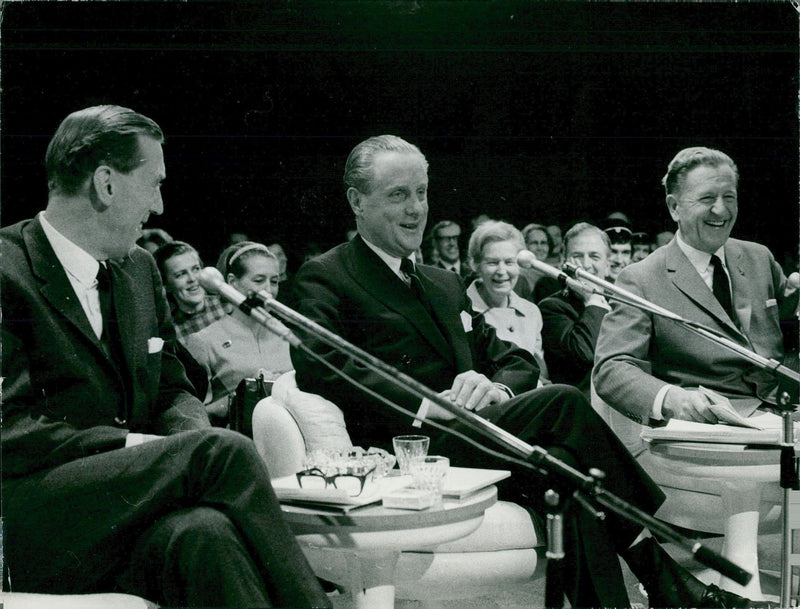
{"x": 212, "y": 282}
{"x": 527, "y": 260}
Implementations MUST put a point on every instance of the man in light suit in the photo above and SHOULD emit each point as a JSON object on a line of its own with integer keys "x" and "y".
{"x": 648, "y": 367}
{"x": 418, "y": 319}
{"x": 112, "y": 478}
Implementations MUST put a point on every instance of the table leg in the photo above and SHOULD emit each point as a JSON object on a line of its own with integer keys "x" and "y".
{"x": 371, "y": 577}
{"x": 741, "y": 502}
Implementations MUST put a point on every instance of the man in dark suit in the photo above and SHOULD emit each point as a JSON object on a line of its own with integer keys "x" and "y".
{"x": 112, "y": 477}
{"x": 649, "y": 368}
{"x": 446, "y": 235}
{"x": 418, "y": 319}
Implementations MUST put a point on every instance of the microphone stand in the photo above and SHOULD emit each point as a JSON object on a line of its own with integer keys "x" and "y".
{"x": 588, "y": 488}
{"x": 788, "y": 387}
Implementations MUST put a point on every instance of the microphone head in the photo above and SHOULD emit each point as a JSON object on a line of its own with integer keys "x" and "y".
{"x": 526, "y": 259}
{"x": 211, "y": 280}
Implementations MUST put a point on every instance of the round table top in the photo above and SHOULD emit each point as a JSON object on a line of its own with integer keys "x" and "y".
{"x": 375, "y": 517}
{"x": 712, "y": 453}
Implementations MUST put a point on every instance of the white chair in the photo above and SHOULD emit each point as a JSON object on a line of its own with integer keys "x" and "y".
{"x": 507, "y": 547}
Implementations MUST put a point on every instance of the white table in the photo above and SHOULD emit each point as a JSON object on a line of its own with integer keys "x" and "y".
{"x": 371, "y": 539}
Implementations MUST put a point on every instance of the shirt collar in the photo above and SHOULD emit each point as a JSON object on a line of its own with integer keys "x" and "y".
{"x": 391, "y": 261}
{"x": 77, "y": 262}
{"x": 699, "y": 259}
{"x": 481, "y": 306}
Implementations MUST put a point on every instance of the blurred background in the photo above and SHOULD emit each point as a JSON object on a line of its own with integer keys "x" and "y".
{"x": 530, "y": 112}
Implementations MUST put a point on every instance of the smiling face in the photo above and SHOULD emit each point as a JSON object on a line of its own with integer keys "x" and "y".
{"x": 261, "y": 273}
{"x": 134, "y": 196}
{"x": 589, "y": 252}
{"x": 446, "y": 242}
{"x": 537, "y": 244}
{"x": 705, "y": 206}
{"x": 498, "y": 270}
{"x": 620, "y": 258}
{"x": 180, "y": 279}
{"x": 393, "y": 214}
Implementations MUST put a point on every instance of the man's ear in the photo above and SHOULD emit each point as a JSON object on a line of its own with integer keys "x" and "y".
{"x": 102, "y": 187}
{"x": 354, "y": 198}
{"x": 672, "y": 206}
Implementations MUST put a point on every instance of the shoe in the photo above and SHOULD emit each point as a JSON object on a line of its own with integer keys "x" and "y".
{"x": 715, "y": 596}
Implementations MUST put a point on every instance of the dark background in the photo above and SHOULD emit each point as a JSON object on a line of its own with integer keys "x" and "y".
{"x": 550, "y": 112}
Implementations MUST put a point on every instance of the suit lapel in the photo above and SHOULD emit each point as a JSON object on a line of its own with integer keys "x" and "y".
{"x": 377, "y": 278}
{"x": 686, "y": 278}
{"x": 56, "y": 287}
{"x": 740, "y": 283}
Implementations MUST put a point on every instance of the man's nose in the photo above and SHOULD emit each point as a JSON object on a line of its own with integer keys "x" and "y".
{"x": 719, "y": 208}
{"x": 158, "y": 205}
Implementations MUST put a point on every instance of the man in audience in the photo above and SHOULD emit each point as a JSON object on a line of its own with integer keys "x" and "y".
{"x": 112, "y": 478}
{"x": 572, "y": 317}
{"x": 446, "y": 235}
{"x": 650, "y": 368}
{"x": 418, "y": 319}
{"x": 642, "y": 245}
{"x": 621, "y": 249}
{"x": 192, "y": 309}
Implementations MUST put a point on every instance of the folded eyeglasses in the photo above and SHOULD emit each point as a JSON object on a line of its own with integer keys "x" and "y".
{"x": 351, "y": 481}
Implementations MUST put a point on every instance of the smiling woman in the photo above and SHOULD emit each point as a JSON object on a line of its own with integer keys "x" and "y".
{"x": 493, "y": 249}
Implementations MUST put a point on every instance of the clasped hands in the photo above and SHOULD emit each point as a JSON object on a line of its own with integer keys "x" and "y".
{"x": 473, "y": 391}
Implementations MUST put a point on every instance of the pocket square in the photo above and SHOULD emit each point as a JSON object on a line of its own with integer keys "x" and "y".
{"x": 155, "y": 344}
{"x": 466, "y": 321}
{"x": 771, "y": 302}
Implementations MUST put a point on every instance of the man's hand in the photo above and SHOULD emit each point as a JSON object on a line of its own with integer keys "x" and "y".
{"x": 474, "y": 391}
{"x": 687, "y": 405}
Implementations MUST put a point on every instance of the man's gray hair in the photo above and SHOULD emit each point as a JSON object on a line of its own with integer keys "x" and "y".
{"x": 358, "y": 171}
{"x": 689, "y": 158}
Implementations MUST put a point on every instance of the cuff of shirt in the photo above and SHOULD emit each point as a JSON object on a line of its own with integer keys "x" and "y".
{"x": 134, "y": 439}
{"x": 658, "y": 403}
{"x": 505, "y": 389}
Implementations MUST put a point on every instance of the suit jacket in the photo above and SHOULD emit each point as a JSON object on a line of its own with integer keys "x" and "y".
{"x": 637, "y": 353}
{"x": 466, "y": 273}
{"x": 352, "y": 292}
{"x": 569, "y": 337}
{"x": 62, "y": 392}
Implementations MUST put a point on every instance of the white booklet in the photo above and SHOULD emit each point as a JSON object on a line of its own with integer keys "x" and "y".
{"x": 722, "y": 408}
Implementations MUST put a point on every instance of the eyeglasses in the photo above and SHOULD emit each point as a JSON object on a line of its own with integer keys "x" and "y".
{"x": 351, "y": 482}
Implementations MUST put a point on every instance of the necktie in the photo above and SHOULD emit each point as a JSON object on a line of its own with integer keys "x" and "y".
{"x": 407, "y": 267}
{"x": 111, "y": 338}
{"x": 721, "y": 288}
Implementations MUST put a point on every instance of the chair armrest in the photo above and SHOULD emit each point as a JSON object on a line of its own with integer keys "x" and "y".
{"x": 278, "y": 438}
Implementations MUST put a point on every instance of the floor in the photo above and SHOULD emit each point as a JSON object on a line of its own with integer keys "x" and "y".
{"x": 530, "y": 594}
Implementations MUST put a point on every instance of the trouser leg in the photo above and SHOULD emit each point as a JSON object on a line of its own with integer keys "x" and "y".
{"x": 194, "y": 558}
{"x": 72, "y": 527}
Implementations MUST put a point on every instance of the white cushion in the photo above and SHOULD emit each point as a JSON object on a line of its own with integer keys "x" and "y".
{"x": 320, "y": 421}
{"x": 25, "y": 600}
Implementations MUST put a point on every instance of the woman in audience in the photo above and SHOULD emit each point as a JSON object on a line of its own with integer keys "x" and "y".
{"x": 492, "y": 251}
{"x": 192, "y": 309}
{"x": 237, "y": 346}
{"x": 572, "y": 318}
{"x": 539, "y": 242}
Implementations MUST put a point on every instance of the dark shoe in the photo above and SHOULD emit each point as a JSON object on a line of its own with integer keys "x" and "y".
{"x": 717, "y": 597}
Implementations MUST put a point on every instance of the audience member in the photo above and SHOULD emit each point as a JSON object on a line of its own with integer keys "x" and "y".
{"x": 446, "y": 235}
{"x": 95, "y": 498}
{"x": 641, "y": 246}
{"x": 663, "y": 238}
{"x": 492, "y": 251}
{"x": 649, "y": 368}
{"x": 557, "y": 251}
{"x": 539, "y": 242}
{"x": 621, "y": 250}
{"x": 153, "y": 238}
{"x": 572, "y": 317}
{"x": 237, "y": 346}
{"x": 418, "y": 319}
{"x": 192, "y": 309}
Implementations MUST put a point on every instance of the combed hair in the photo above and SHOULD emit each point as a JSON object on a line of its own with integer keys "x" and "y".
{"x": 236, "y": 266}
{"x": 358, "y": 172}
{"x": 585, "y": 227}
{"x": 492, "y": 231}
{"x": 689, "y": 158}
{"x": 94, "y": 136}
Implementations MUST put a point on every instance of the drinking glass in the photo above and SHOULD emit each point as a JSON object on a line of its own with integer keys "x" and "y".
{"x": 408, "y": 447}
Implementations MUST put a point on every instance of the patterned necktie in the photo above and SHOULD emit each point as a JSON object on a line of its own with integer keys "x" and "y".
{"x": 721, "y": 288}
{"x": 407, "y": 267}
